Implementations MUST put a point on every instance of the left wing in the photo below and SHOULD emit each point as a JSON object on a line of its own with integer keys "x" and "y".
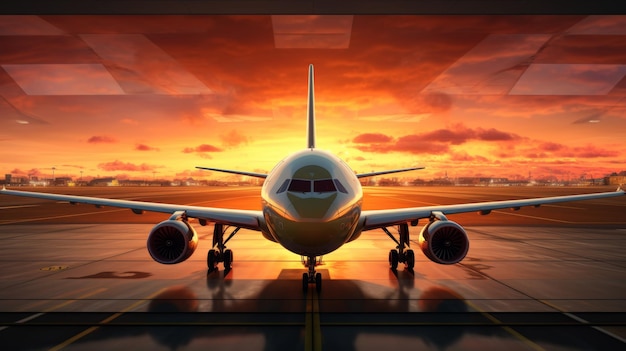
{"x": 241, "y": 218}
{"x": 382, "y": 218}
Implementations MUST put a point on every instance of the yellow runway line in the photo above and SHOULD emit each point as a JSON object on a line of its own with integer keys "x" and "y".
{"x": 90, "y": 330}
{"x": 508, "y": 329}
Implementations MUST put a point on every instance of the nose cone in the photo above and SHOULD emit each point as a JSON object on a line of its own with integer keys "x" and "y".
{"x": 311, "y": 206}
{"x": 311, "y": 237}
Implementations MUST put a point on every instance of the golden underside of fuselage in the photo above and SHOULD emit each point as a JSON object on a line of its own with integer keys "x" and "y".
{"x": 311, "y": 237}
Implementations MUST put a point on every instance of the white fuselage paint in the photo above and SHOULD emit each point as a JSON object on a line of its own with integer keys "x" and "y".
{"x": 312, "y": 223}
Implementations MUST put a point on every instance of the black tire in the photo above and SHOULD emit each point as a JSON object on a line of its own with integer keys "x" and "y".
{"x": 211, "y": 260}
{"x": 305, "y": 282}
{"x": 228, "y": 259}
{"x": 410, "y": 259}
{"x": 393, "y": 259}
{"x": 318, "y": 282}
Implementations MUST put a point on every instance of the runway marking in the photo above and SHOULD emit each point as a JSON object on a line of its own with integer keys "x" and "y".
{"x": 533, "y": 217}
{"x": 59, "y": 297}
{"x": 507, "y": 328}
{"x": 107, "y": 320}
{"x": 24, "y": 320}
{"x": 583, "y": 321}
{"x": 31, "y": 317}
{"x": 54, "y": 268}
{"x": 313, "y": 335}
{"x": 68, "y": 302}
{"x": 17, "y": 206}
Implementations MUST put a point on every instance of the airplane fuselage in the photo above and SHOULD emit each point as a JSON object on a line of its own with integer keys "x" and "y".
{"x": 312, "y": 203}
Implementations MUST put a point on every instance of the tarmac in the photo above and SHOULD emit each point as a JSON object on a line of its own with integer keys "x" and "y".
{"x": 80, "y": 278}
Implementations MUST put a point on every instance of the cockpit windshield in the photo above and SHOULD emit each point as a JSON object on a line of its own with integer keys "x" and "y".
{"x": 307, "y": 186}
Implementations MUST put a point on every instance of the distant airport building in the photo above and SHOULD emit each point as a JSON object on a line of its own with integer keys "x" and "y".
{"x": 108, "y": 181}
{"x": 9, "y": 180}
{"x": 616, "y": 178}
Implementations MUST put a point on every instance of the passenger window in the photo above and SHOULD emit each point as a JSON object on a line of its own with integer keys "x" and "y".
{"x": 324, "y": 186}
{"x": 283, "y": 187}
{"x": 300, "y": 186}
{"x": 340, "y": 186}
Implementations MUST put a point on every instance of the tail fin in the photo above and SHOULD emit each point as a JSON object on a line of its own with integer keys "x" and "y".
{"x": 311, "y": 112}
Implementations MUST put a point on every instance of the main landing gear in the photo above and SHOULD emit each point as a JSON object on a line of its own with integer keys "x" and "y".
{"x": 311, "y": 277}
{"x": 222, "y": 254}
{"x": 402, "y": 255}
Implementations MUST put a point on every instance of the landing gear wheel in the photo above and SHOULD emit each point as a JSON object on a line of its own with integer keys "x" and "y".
{"x": 211, "y": 260}
{"x": 305, "y": 282}
{"x": 393, "y": 259}
{"x": 318, "y": 282}
{"x": 228, "y": 259}
{"x": 410, "y": 259}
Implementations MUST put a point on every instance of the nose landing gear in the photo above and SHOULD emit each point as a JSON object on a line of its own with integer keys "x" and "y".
{"x": 312, "y": 277}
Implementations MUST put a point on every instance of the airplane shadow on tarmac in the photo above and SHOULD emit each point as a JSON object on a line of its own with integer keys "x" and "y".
{"x": 436, "y": 318}
{"x": 343, "y": 304}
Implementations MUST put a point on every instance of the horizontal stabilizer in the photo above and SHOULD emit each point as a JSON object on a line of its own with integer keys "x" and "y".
{"x": 371, "y": 174}
{"x": 250, "y": 174}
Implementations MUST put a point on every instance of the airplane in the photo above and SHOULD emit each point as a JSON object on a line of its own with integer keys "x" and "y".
{"x": 311, "y": 204}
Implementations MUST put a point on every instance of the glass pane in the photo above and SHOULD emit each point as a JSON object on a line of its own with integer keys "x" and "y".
{"x": 300, "y": 185}
{"x": 324, "y": 186}
{"x": 283, "y": 187}
{"x": 340, "y": 186}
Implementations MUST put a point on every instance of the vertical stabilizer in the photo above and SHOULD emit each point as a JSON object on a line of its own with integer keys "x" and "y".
{"x": 311, "y": 112}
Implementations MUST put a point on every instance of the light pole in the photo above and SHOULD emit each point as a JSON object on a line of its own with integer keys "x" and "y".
{"x": 53, "y": 178}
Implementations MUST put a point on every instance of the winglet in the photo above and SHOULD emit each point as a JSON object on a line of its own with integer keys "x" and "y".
{"x": 4, "y": 187}
{"x": 311, "y": 112}
{"x": 620, "y": 188}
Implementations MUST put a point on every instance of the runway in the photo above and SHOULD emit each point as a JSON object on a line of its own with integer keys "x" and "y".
{"x": 77, "y": 277}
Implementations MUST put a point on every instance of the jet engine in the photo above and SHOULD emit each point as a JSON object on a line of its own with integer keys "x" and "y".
{"x": 444, "y": 242}
{"x": 172, "y": 241}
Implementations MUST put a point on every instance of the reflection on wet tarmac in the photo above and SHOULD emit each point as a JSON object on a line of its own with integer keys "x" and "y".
{"x": 519, "y": 288}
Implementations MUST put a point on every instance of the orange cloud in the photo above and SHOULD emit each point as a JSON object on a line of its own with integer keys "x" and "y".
{"x": 201, "y": 148}
{"x": 434, "y": 142}
{"x": 97, "y": 139}
{"x": 368, "y": 138}
{"x": 126, "y": 166}
{"x": 233, "y": 138}
{"x": 144, "y": 147}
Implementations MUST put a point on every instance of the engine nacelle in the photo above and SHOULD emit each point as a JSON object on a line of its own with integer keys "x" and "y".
{"x": 444, "y": 242}
{"x": 172, "y": 241}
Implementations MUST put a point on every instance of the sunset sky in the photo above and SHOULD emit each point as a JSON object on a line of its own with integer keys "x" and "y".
{"x": 153, "y": 96}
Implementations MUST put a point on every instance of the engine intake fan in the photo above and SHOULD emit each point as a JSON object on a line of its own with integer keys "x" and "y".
{"x": 444, "y": 242}
{"x": 172, "y": 241}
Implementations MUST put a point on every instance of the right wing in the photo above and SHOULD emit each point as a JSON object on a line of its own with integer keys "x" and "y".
{"x": 382, "y": 218}
{"x": 240, "y": 218}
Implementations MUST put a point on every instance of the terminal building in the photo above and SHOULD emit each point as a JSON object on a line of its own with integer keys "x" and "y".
{"x": 616, "y": 178}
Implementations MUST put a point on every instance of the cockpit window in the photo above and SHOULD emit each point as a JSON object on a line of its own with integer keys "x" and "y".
{"x": 340, "y": 186}
{"x": 324, "y": 186}
{"x": 319, "y": 186}
{"x": 300, "y": 186}
{"x": 283, "y": 187}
